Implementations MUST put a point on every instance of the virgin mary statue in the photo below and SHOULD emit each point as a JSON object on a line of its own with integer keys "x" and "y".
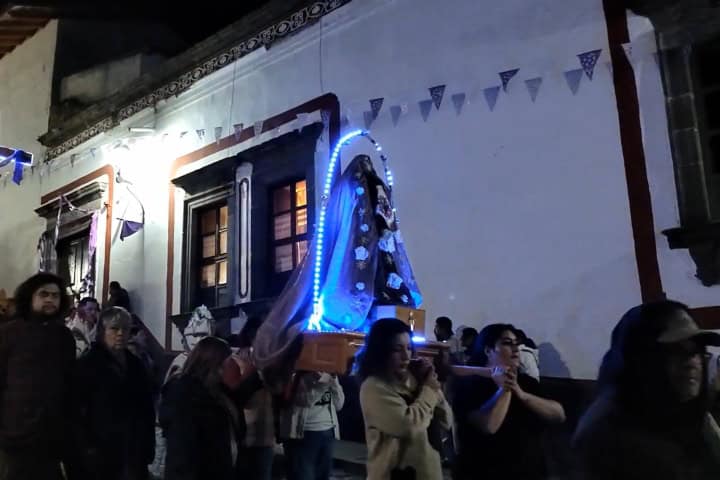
{"x": 364, "y": 264}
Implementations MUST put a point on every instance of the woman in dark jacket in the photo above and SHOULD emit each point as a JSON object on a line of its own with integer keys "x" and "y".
{"x": 501, "y": 419}
{"x": 202, "y": 419}
{"x": 114, "y": 405}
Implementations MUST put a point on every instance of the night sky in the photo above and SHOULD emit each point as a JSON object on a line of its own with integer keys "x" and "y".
{"x": 192, "y": 21}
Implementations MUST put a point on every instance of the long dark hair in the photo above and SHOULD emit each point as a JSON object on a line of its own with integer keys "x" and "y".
{"x": 487, "y": 338}
{"x": 373, "y": 359}
{"x": 634, "y": 366}
{"x": 26, "y": 290}
{"x": 205, "y": 359}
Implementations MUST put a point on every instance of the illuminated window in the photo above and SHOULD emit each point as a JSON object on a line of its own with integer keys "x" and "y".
{"x": 289, "y": 225}
{"x": 212, "y": 254}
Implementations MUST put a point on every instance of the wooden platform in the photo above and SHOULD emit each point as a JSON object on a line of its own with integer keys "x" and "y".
{"x": 334, "y": 352}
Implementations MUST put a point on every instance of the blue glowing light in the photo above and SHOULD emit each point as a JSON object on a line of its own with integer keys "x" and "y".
{"x": 418, "y": 339}
{"x": 20, "y": 157}
{"x": 315, "y": 320}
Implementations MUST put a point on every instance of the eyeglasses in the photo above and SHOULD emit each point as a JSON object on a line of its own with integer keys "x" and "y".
{"x": 684, "y": 351}
{"x": 509, "y": 343}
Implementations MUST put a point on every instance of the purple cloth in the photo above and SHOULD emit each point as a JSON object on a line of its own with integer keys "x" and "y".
{"x": 129, "y": 228}
{"x": 18, "y": 173}
{"x": 92, "y": 240}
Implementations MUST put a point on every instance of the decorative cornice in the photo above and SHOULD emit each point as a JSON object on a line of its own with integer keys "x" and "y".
{"x": 295, "y": 22}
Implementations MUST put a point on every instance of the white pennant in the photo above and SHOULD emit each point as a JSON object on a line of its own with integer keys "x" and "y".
{"x": 628, "y": 49}
{"x": 301, "y": 120}
{"x": 237, "y": 130}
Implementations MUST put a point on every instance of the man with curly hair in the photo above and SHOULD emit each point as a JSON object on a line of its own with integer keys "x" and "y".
{"x": 37, "y": 356}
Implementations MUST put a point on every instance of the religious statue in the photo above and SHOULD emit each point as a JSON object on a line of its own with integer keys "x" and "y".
{"x": 364, "y": 264}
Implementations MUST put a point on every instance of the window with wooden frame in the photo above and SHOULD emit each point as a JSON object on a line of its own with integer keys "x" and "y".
{"x": 289, "y": 226}
{"x": 74, "y": 263}
{"x": 692, "y": 89}
{"x": 212, "y": 254}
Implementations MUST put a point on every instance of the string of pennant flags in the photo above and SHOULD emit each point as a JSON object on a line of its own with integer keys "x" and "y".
{"x": 587, "y": 63}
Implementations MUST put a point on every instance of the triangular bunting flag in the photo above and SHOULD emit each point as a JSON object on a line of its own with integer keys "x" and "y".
{"x": 395, "y": 112}
{"x": 301, "y": 120}
{"x": 437, "y": 94}
{"x": 588, "y": 60}
{"x": 458, "y": 100}
{"x": 218, "y": 134}
{"x": 375, "y": 106}
{"x": 491, "y": 96}
{"x": 533, "y": 87}
{"x": 237, "y": 131}
{"x": 258, "y": 128}
{"x": 628, "y": 49}
{"x": 345, "y": 117}
{"x": 573, "y": 78}
{"x": 368, "y": 117}
{"x": 506, "y": 76}
{"x": 200, "y": 133}
{"x": 129, "y": 228}
{"x": 425, "y": 107}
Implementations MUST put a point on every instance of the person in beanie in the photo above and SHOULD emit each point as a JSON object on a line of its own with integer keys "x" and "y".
{"x": 651, "y": 418}
{"x": 37, "y": 357}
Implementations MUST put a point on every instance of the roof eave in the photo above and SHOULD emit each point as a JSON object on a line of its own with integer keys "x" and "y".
{"x": 260, "y": 28}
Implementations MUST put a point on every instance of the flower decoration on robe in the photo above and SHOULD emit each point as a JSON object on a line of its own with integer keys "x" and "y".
{"x": 361, "y": 254}
{"x": 360, "y": 190}
{"x": 404, "y": 298}
{"x": 394, "y": 281}
{"x": 364, "y": 228}
{"x": 386, "y": 243}
{"x": 360, "y": 286}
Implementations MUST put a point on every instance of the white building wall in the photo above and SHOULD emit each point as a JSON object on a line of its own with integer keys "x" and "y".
{"x": 25, "y": 87}
{"x": 518, "y": 215}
